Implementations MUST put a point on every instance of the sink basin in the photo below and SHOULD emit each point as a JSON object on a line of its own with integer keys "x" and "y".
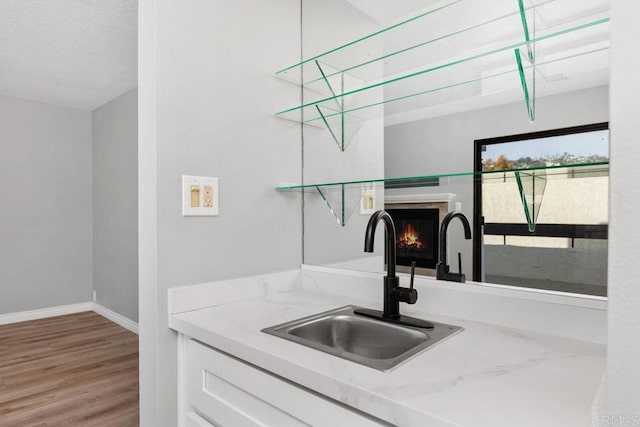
{"x": 363, "y": 340}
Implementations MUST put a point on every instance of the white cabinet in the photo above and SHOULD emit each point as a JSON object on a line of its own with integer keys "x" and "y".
{"x": 220, "y": 390}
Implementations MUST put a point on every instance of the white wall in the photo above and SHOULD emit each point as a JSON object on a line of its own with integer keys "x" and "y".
{"x": 115, "y": 205}
{"x": 45, "y": 218}
{"x": 207, "y": 103}
{"x": 623, "y": 358}
{"x": 446, "y": 144}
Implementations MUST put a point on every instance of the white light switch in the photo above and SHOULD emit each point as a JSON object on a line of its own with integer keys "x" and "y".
{"x": 200, "y": 196}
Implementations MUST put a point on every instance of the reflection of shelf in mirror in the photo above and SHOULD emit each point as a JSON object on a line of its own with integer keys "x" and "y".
{"x": 324, "y": 57}
{"x": 582, "y": 170}
{"x": 469, "y": 25}
{"x": 344, "y": 198}
{"x": 531, "y": 185}
{"x": 358, "y": 113}
{"x": 353, "y": 67}
{"x": 506, "y": 50}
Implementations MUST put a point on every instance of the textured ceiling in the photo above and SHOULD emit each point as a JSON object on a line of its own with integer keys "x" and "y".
{"x": 77, "y": 53}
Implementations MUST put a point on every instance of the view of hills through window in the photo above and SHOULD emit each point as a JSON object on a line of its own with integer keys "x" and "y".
{"x": 588, "y": 147}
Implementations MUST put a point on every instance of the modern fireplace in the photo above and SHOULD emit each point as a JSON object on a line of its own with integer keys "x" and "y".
{"x": 416, "y": 236}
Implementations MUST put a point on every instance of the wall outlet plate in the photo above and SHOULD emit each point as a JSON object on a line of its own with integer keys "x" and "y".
{"x": 368, "y": 201}
{"x": 200, "y": 196}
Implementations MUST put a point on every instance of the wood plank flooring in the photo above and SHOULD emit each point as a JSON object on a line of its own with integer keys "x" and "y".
{"x": 74, "y": 370}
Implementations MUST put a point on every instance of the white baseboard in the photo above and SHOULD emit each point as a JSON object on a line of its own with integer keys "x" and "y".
{"x": 42, "y": 313}
{"x": 115, "y": 317}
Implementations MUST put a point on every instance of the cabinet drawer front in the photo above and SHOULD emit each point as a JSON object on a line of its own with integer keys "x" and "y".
{"x": 230, "y": 392}
{"x": 221, "y": 401}
{"x": 194, "y": 420}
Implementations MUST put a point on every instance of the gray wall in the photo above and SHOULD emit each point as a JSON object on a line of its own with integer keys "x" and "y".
{"x": 326, "y": 241}
{"x": 207, "y": 103}
{"x": 445, "y": 144}
{"x": 45, "y": 219}
{"x": 115, "y": 205}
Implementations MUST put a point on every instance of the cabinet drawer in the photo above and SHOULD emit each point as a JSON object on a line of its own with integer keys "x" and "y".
{"x": 194, "y": 420}
{"x": 229, "y": 392}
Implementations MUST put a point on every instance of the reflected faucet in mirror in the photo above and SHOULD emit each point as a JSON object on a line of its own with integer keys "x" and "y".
{"x": 442, "y": 269}
{"x": 393, "y": 292}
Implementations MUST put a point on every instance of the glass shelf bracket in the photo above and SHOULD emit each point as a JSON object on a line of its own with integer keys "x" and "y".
{"x": 343, "y": 200}
{"x": 337, "y": 128}
{"x": 528, "y": 89}
{"x": 525, "y": 28}
{"x": 531, "y": 187}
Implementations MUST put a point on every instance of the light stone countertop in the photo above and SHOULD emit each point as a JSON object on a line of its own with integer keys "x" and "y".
{"x": 486, "y": 375}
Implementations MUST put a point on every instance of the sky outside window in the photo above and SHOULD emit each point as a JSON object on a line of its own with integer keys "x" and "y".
{"x": 580, "y": 145}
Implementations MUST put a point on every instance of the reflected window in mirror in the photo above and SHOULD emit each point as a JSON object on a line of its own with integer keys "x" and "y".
{"x": 541, "y": 210}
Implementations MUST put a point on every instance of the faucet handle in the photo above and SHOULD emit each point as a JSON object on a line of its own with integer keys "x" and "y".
{"x": 408, "y": 295}
{"x": 413, "y": 273}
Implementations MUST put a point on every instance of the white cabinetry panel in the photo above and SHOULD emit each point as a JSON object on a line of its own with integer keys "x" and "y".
{"x": 229, "y": 392}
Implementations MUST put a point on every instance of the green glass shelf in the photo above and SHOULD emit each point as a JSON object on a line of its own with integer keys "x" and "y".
{"x": 356, "y": 112}
{"x": 403, "y": 46}
{"x": 473, "y": 26}
{"x": 500, "y": 56}
{"x": 373, "y": 76}
{"x": 344, "y": 197}
{"x": 326, "y": 57}
{"x": 568, "y": 171}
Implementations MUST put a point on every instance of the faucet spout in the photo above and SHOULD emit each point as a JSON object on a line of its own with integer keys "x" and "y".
{"x": 442, "y": 269}
{"x": 443, "y": 232}
{"x": 390, "y": 240}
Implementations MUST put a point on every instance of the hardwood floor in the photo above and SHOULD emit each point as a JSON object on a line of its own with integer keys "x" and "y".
{"x": 74, "y": 370}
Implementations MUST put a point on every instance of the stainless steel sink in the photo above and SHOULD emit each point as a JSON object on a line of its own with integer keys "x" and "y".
{"x": 363, "y": 340}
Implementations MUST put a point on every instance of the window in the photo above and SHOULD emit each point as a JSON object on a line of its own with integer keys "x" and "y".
{"x": 545, "y": 226}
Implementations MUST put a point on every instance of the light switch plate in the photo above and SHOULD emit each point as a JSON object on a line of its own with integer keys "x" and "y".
{"x": 200, "y": 196}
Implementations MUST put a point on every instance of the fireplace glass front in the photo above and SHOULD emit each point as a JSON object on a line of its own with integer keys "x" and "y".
{"x": 416, "y": 236}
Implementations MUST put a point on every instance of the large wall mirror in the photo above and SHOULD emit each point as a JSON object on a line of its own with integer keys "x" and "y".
{"x": 426, "y": 107}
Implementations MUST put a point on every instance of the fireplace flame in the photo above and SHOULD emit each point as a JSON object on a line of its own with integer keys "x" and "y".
{"x": 409, "y": 237}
